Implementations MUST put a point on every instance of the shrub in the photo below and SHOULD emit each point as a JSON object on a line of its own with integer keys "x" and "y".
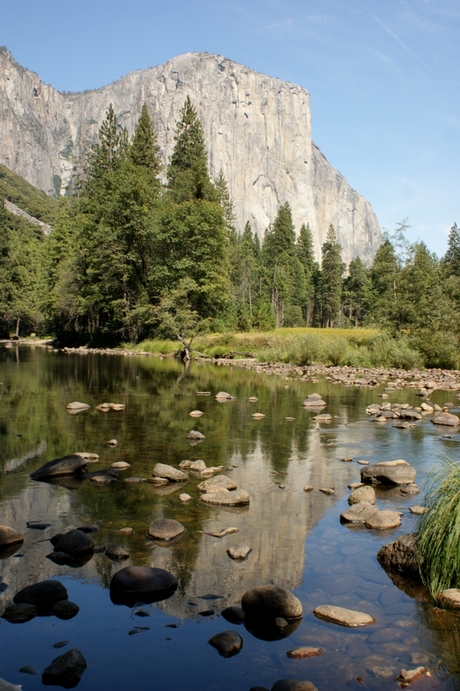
{"x": 439, "y": 530}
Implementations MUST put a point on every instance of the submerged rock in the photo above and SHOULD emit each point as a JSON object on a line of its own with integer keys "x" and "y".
{"x": 65, "y": 670}
{"x": 194, "y": 435}
{"x": 218, "y": 483}
{"x": 238, "y": 497}
{"x": 293, "y": 685}
{"x": 228, "y": 643}
{"x": 344, "y": 617}
{"x": 239, "y": 552}
{"x": 116, "y": 552}
{"x": 165, "y": 529}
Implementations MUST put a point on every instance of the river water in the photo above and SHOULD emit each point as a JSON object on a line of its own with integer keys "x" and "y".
{"x": 296, "y": 537}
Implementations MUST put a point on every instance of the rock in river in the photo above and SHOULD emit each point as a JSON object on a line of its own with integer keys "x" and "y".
{"x": 65, "y": 609}
{"x": 225, "y": 498}
{"x": 400, "y": 555}
{"x": 358, "y": 513}
{"x": 218, "y": 483}
{"x": 20, "y": 613}
{"x": 75, "y": 543}
{"x": 268, "y": 602}
{"x": 293, "y": 685}
{"x": 194, "y": 435}
{"x": 43, "y": 594}
{"x": 142, "y": 584}
{"x": 228, "y": 643}
{"x": 342, "y": 616}
{"x": 68, "y": 465}
{"x": 6, "y": 686}
{"x": 238, "y": 552}
{"x": 65, "y": 670}
{"x": 447, "y": 419}
{"x": 397, "y": 472}
{"x": 9, "y": 536}
{"x": 314, "y": 400}
{"x": 165, "y": 529}
{"x": 77, "y": 406}
{"x": 169, "y": 473}
{"x": 362, "y": 495}
{"x": 384, "y": 520}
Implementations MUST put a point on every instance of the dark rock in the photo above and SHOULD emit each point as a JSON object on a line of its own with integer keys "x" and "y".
{"x": 43, "y": 594}
{"x": 400, "y": 555}
{"x": 37, "y": 525}
{"x": 142, "y": 584}
{"x": 165, "y": 529}
{"x": 65, "y": 609}
{"x": 66, "y": 670}
{"x": 68, "y": 465}
{"x": 75, "y": 543}
{"x": 28, "y": 669}
{"x": 90, "y": 528}
{"x": 55, "y": 539}
{"x": 293, "y": 685}
{"x": 269, "y": 602}
{"x": 234, "y": 615}
{"x": 18, "y": 614}
{"x": 228, "y": 643}
{"x": 9, "y": 536}
{"x": 60, "y": 644}
{"x": 389, "y": 472}
{"x": 116, "y": 552}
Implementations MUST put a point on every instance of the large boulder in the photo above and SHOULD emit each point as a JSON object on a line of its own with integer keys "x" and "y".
{"x": 400, "y": 555}
{"x": 9, "y": 536}
{"x": 267, "y": 602}
{"x": 76, "y": 543}
{"x": 44, "y": 594}
{"x": 446, "y": 419}
{"x": 397, "y": 472}
{"x": 65, "y": 670}
{"x": 383, "y": 520}
{"x": 142, "y": 584}
{"x": 293, "y": 685}
{"x": 362, "y": 495}
{"x": 68, "y": 465}
{"x": 168, "y": 472}
{"x": 165, "y": 529}
{"x": 217, "y": 483}
{"x": 238, "y": 497}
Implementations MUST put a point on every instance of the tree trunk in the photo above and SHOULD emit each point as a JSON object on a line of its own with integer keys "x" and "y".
{"x": 17, "y": 327}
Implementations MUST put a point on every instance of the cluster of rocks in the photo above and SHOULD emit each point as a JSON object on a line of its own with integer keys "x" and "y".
{"x": 407, "y": 416}
{"x": 77, "y": 407}
{"x": 46, "y": 598}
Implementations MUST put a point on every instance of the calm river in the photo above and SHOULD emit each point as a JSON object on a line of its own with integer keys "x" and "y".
{"x": 296, "y": 537}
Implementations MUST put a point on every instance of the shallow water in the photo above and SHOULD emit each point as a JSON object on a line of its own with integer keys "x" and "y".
{"x": 296, "y": 538}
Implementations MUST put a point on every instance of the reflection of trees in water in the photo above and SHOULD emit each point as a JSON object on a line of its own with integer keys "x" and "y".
{"x": 441, "y": 636}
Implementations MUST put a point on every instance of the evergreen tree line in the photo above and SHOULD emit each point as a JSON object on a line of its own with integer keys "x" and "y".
{"x": 131, "y": 258}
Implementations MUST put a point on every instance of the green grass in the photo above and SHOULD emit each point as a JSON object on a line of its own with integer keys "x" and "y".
{"x": 35, "y": 202}
{"x": 439, "y": 530}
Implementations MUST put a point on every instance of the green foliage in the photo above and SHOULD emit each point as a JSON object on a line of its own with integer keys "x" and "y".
{"x": 439, "y": 529}
{"x": 357, "y": 292}
{"x": 27, "y": 197}
{"x": 451, "y": 261}
{"x": 332, "y": 269}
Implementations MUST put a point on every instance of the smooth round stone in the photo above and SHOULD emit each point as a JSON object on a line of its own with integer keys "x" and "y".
{"x": 9, "y": 536}
{"x": 165, "y": 529}
{"x": 418, "y": 510}
{"x": 234, "y": 615}
{"x": 253, "y": 399}
{"x": 217, "y": 484}
{"x": 45, "y": 593}
{"x": 65, "y": 670}
{"x": 142, "y": 583}
{"x": 228, "y": 643}
{"x": 134, "y": 480}
{"x": 87, "y": 456}
{"x": 257, "y": 416}
{"x": 342, "y": 616}
{"x": 450, "y": 598}
{"x": 447, "y": 419}
{"x": 239, "y": 552}
{"x": 327, "y": 490}
{"x": 126, "y": 531}
{"x": 362, "y": 495}
{"x": 161, "y": 470}
{"x": 65, "y": 609}
{"x": 269, "y": 602}
{"x": 158, "y": 481}
{"x": 358, "y": 513}
{"x": 120, "y": 465}
{"x": 383, "y": 520}
{"x": 225, "y": 498}
{"x": 105, "y": 407}
{"x": 303, "y": 652}
{"x": 184, "y": 498}
{"x": 20, "y": 613}
{"x": 75, "y": 543}
{"x": 196, "y": 413}
{"x": 198, "y": 466}
{"x": 307, "y": 488}
{"x": 76, "y": 405}
{"x": 116, "y": 552}
{"x": 224, "y": 396}
{"x": 293, "y": 685}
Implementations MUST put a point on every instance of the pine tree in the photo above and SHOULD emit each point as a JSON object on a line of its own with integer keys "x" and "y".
{"x": 357, "y": 291}
{"x": 144, "y": 151}
{"x": 451, "y": 260}
{"x": 107, "y": 155}
{"x": 306, "y": 256}
{"x": 187, "y": 173}
{"x": 385, "y": 277}
{"x": 332, "y": 269}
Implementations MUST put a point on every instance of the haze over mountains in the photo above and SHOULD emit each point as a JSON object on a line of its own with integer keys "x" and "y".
{"x": 257, "y": 128}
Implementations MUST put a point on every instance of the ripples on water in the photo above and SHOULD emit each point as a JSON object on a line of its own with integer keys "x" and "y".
{"x": 296, "y": 538}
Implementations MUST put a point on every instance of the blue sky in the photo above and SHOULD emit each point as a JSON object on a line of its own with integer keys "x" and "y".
{"x": 384, "y": 77}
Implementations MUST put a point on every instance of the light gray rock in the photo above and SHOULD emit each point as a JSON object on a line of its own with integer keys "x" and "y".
{"x": 198, "y": 466}
{"x": 228, "y": 643}
{"x": 161, "y": 470}
{"x": 362, "y": 495}
{"x": 358, "y": 513}
{"x": 342, "y": 616}
{"x": 9, "y": 536}
{"x": 383, "y": 520}
{"x": 184, "y": 498}
{"x": 194, "y": 435}
{"x": 116, "y": 552}
{"x": 76, "y": 405}
{"x": 6, "y": 686}
{"x": 314, "y": 400}
{"x": 238, "y": 497}
{"x": 448, "y": 598}
{"x": 239, "y": 552}
{"x": 269, "y": 602}
{"x": 397, "y": 472}
{"x": 446, "y": 419}
{"x": 165, "y": 529}
{"x": 218, "y": 483}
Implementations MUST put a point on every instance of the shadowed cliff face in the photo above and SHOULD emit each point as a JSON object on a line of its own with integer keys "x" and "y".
{"x": 257, "y": 129}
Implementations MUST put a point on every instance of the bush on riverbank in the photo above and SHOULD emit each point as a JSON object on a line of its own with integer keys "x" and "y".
{"x": 439, "y": 530}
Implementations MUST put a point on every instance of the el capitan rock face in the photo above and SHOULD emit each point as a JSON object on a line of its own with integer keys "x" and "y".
{"x": 257, "y": 129}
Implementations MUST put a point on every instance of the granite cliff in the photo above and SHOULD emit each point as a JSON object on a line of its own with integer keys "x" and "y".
{"x": 257, "y": 128}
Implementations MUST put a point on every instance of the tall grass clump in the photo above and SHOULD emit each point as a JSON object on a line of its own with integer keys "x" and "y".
{"x": 438, "y": 549}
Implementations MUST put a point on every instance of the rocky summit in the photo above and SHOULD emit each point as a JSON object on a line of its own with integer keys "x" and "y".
{"x": 257, "y": 129}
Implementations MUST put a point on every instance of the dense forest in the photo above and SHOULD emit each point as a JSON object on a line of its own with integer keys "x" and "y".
{"x": 139, "y": 252}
